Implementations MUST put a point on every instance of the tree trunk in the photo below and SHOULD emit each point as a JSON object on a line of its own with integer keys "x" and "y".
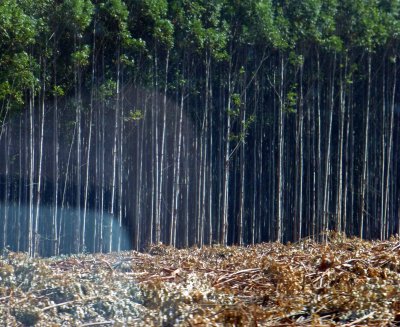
{"x": 363, "y": 208}
{"x": 325, "y": 221}
{"x": 280, "y": 172}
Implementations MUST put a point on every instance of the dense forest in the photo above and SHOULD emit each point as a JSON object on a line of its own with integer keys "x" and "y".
{"x": 131, "y": 122}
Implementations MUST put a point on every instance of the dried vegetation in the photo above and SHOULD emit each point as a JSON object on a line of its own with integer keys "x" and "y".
{"x": 343, "y": 282}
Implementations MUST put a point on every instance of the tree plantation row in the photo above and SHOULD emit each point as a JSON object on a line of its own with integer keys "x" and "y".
{"x": 131, "y": 122}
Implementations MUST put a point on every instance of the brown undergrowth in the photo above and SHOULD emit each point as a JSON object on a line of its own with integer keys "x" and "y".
{"x": 346, "y": 282}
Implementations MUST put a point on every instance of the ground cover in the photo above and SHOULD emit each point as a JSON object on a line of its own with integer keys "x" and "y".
{"x": 342, "y": 282}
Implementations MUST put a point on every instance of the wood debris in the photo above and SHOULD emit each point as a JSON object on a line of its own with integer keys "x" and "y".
{"x": 345, "y": 282}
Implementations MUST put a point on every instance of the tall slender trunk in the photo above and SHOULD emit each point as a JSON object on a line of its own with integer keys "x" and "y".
{"x": 204, "y": 153}
{"x": 210, "y": 156}
{"x": 21, "y": 185}
{"x": 319, "y": 197}
{"x": 6, "y": 187}
{"x": 66, "y": 177}
{"x": 187, "y": 192}
{"x": 203, "y": 169}
{"x": 301, "y": 159}
{"x": 390, "y": 148}
{"x": 163, "y": 147}
{"x": 177, "y": 177}
{"x": 78, "y": 99}
{"x": 89, "y": 142}
{"x": 56, "y": 148}
{"x": 115, "y": 154}
{"x": 325, "y": 221}
{"x": 225, "y": 206}
{"x": 155, "y": 193}
{"x": 347, "y": 180}
{"x": 102, "y": 172}
{"x": 280, "y": 172}
{"x": 339, "y": 201}
{"x": 383, "y": 160}
{"x": 255, "y": 170}
{"x": 242, "y": 171}
{"x": 39, "y": 183}
{"x": 121, "y": 164}
{"x": 363, "y": 204}
{"x": 139, "y": 185}
{"x": 31, "y": 235}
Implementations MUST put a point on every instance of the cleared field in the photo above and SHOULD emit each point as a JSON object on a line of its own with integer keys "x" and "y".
{"x": 342, "y": 282}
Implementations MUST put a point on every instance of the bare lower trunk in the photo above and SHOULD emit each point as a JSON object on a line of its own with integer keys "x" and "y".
{"x": 325, "y": 221}
{"x": 363, "y": 208}
{"x": 39, "y": 183}
{"x": 280, "y": 172}
{"x": 177, "y": 177}
{"x": 340, "y": 158}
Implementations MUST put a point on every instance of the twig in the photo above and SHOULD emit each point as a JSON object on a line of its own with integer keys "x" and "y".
{"x": 57, "y": 305}
{"x": 68, "y": 302}
{"x": 110, "y": 322}
{"x": 355, "y": 322}
{"x": 396, "y": 247}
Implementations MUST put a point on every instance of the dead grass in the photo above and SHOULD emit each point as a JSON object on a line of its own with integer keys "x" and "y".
{"x": 345, "y": 282}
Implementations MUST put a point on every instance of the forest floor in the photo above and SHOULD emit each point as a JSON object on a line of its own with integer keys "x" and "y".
{"x": 342, "y": 282}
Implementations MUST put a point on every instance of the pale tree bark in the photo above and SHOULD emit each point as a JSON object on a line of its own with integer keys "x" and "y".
{"x": 66, "y": 177}
{"x": 177, "y": 176}
{"x": 121, "y": 163}
{"x": 340, "y": 194}
{"x": 297, "y": 230}
{"x": 39, "y": 182}
{"x": 225, "y": 206}
{"x": 210, "y": 152}
{"x": 242, "y": 169}
{"x": 325, "y": 221}
{"x": 255, "y": 170}
{"x": 6, "y": 186}
{"x": 155, "y": 193}
{"x": 89, "y": 143}
{"x": 347, "y": 180}
{"x": 115, "y": 153}
{"x": 383, "y": 160}
{"x": 21, "y": 182}
{"x": 31, "y": 236}
{"x": 187, "y": 191}
{"x": 390, "y": 150}
{"x": 363, "y": 205}
{"x": 56, "y": 148}
{"x": 318, "y": 166}
{"x": 204, "y": 153}
{"x": 163, "y": 148}
{"x": 280, "y": 172}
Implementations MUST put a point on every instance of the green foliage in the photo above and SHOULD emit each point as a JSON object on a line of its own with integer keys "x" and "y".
{"x": 58, "y": 90}
{"x": 236, "y": 99}
{"x": 17, "y": 32}
{"x": 81, "y": 56}
{"x": 217, "y": 32}
{"x": 295, "y": 59}
{"x": 78, "y": 13}
{"x": 108, "y": 89}
{"x": 291, "y": 99}
{"x": 17, "y": 29}
{"x": 16, "y": 75}
{"x": 134, "y": 115}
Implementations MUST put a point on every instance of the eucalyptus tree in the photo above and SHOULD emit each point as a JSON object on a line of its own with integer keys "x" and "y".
{"x": 17, "y": 33}
{"x": 78, "y": 14}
